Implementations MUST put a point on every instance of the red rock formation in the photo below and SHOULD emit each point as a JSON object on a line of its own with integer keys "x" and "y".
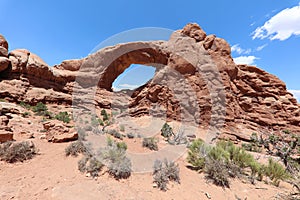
{"x": 194, "y": 71}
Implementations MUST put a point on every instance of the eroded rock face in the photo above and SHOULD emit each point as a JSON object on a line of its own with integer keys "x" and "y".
{"x": 57, "y": 131}
{"x": 195, "y": 78}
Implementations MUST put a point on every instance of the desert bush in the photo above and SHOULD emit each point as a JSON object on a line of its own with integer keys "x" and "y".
{"x": 275, "y": 171}
{"x": 197, "y": 154}
{"x": 165, "y": 171}
{"x": 104, "y": 115}
{"x": 122, "y": 145}
{"x": 119, "y": 166}
{"x": 63, "y": 116}
{"x": 91, "y": 165}
{"x": 40, "y": 109}
{"x": 25, "y": 105}
{"x": 94, "y": 167}
{"x": 25, "y": 114}
{"x": 115, "y": 134}
{"x": 122, "y": 128}
{"x": 217, "y": 172}
{"x": 178, "y": 138}
{"x": 222, "y": 161}
{"x": 166, "y": 131}
{"x": 82, "y": 164}
{"x": 237, "y": 155}
{"x": 251, "y": 147}
{"x": 101, "y": 122}
{"x": 17, "y": 152}
{"x": 150, "y": 143}
{"x": 76, "y": 148}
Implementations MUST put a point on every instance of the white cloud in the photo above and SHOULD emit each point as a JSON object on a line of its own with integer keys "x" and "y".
{"x": 261, "y": 47}
{"x": 248, "y": 60}
{"x": 281, "y": 26}
{"x": 125, "y": 86}
{"x": 296, "y": 94}
{"x": 236, "y": 48}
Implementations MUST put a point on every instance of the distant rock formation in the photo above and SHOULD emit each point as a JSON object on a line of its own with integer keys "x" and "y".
{"x": 203, "y": 82}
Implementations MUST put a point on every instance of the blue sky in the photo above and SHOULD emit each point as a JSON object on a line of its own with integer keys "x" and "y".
{"x": 265, "y": 33}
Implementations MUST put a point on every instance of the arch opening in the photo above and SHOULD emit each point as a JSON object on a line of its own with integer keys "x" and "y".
{"x": 135, "y": 76}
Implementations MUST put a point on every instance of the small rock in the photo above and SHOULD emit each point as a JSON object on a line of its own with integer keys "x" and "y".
{"x": 208, "y": 195}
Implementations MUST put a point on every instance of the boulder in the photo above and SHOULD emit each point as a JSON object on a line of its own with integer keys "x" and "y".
{"x": 3, "y": 52}
{"x": 57, "y": 132}
{"x": 3, "y": 42}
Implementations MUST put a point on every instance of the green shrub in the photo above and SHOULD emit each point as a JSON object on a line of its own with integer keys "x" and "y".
{"x": 163, "y": 172}
{"x": 101, "y": 122}
{"x": 223, "y": 161}
{"x": 167, "y": 131}
{"x": 104, "y": 115}
{"x": 119, "y": 166}
{"x": 197, "y": 153}
{"x": 115, "y": 134}
{"x": 63, "y": 116}
{"x": 25, "y": 105}
{"x": 150, "y": 143}
{"x": 91, "y": 165}
{"x": 275, "y": 171}
{"x": 273, "y": 139}
{"x": 40, "y": 109}
{"x": 217, "y": 172}
{"x": 82, "y": 164}
{"x": 17, "y": 152}
{"x": 122, "y": 145}
{"x": 94, "y": 167}
{"x": 178, "y": 138}
{"x": 251, "y": 147}
{"x": 76, "y": 148}
{"x": 122, "y": 128}
{"x": 25, "y": 114}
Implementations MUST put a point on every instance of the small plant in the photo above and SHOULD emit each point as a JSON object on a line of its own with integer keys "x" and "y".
{"x": 122, "y": 145}
{"x": 63, "y": 116}
{"x": 25, "y": 105}
{"x": 273, "y": 139}
{"x": 223, "y": 161}
{"x": 101, "y": 122}
{"x": 119, "y": 166}
{"x": 150, "y": 143}
{"x": 251, "y": 147}
{"x": 217, "y": 171}
{"x": 115, "y": 133}
{"x": 163, "y": 172}
{"x": 178, "y": 138}
{"x": 2, "y": 100}
{"x": 104, "y": 115}
{"x": 25, "y": 114}
{"x": 93, "y": 167}
{"x": 40, "y": 109}
{"x": 122, "y": 128}
{"x": 167, "y": 131}
{"x": 76, "y": 148}
{"x": 17, "y": 152}
{"x": 275, "y": 171}
{"x": 197, "y": 154}
{"x": 82, "y": 164}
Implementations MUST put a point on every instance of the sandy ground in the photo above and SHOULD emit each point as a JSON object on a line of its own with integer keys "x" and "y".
{"x": 52, "y": 175}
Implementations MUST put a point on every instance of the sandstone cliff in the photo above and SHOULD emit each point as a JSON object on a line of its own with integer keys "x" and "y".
{"x": 196, "y": 79}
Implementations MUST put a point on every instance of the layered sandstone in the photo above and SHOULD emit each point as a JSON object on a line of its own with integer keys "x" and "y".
{"x": 196, "y": 79}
